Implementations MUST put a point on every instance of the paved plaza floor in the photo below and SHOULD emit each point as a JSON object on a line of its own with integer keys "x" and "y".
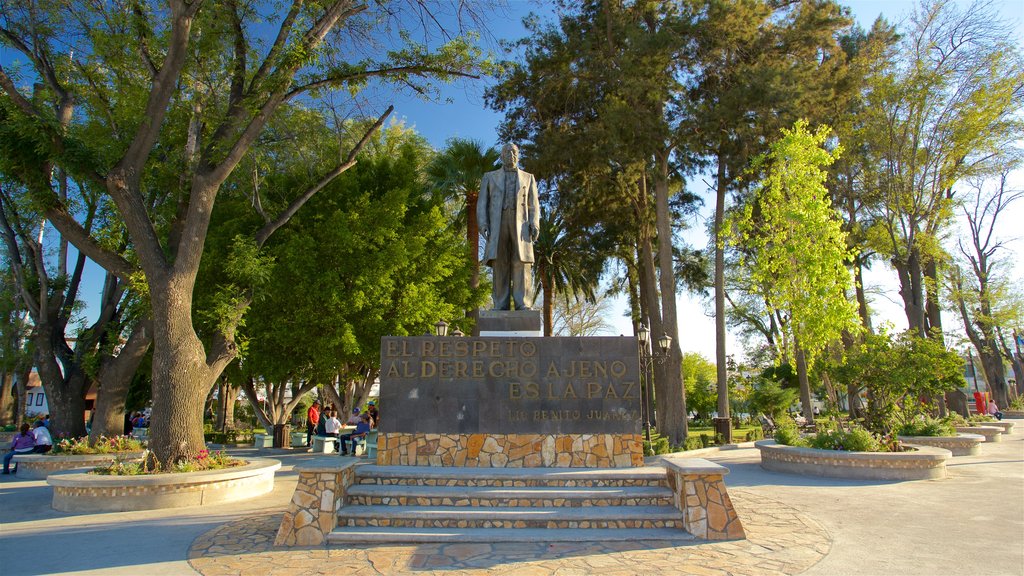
{"x": 971, "y": 523}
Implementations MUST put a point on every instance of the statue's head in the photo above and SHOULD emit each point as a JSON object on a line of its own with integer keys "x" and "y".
{"x": 510, "y": 156}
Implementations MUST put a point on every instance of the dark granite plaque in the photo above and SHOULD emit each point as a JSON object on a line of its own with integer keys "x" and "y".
{"x": 493, "y": 385}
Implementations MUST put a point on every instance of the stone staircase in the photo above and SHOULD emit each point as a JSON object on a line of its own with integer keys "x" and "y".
{"x": 425, "y": 504}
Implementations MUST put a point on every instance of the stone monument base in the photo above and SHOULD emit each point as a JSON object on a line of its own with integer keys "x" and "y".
{"x": 511, "y": 450}
{"x": 509, "y": 323}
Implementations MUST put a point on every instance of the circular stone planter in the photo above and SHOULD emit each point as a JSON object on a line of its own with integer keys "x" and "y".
{"x": 925, "y": 463}
{"x": 81, "y": 492}
{"x": 39, "y": 466}
{"x": 1006, "y": 426}
{"x": 959, "y": 445}
{"x": 991, "y": 433}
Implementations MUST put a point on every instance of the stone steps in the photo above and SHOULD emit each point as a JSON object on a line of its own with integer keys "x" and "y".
{"x": 369, "y": 535}
{"x": 501, "y": 497}
{"x": 619, "y": 517}
{"x": 434, "y": 504}
{"x": 651, "y": 476}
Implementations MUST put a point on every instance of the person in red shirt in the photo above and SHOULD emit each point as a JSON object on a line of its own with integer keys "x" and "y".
{"x": 312, "y": 418}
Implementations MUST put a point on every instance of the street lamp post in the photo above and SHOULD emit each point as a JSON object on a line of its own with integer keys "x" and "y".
{"x": 647, "y": 359}
{"x": 441, "y": 327}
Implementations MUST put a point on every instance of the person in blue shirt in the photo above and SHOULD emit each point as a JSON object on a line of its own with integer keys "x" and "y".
{"x": 360, "y": 432}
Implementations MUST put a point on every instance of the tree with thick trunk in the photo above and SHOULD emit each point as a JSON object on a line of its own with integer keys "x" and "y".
{"x": 168, "y": 157}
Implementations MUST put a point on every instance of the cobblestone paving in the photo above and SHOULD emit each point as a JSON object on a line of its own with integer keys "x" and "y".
{"x": 779, "y": 541}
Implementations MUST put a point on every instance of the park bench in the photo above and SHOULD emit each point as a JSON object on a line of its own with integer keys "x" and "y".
{"x": 325, "y": 444}
{"x": 768, "y": 426}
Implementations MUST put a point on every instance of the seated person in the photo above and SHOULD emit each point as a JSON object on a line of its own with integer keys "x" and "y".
{"x": 44, "y": 442}
{"x": 360, "y": 432}
{"x": 371, "y": 409}
{"x": 993, "y": 410}
{"x": 332, "y": 424}
{"x": 24, "y": 443}
{"x": 353, "y": 420}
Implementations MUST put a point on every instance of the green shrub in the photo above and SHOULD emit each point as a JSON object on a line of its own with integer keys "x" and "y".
{"x": 927, "y": 427}
{"x": 206, "y": 460}
{"x": 1017, "y": 403}
{"x": 855, "y": 440}
{"x": 755, "y": 434}
{"x": 692, "y": 443}
{"x": 658, "y": 445}
{"x": 981, "y": 418}
{"x": 787, "y": 433}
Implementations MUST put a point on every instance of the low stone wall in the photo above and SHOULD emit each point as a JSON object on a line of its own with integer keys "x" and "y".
{"x": 1013, "y": 413}
{"x": 319, "y": 495}
{"x": 80, "y": 492}
{"x": 701, "y": 496}
{"x": 511, "y": 450}
{"x": 39, "y": 466}
{"x": 925, "y": 463}
{"x": 991, "y": 433}
{"x": 959, "y": 445}
{"x": 1007, "y": 427}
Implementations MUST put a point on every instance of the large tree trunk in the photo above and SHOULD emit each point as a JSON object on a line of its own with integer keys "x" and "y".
{"x": 676, "y": 392}
{"x": 912, "y": 291}
{"x": 21, "y": 394}
{"x": 6, "y": 398}
{"x": 722, "y": 379}
{"x": 805, "y": 385}
{"x": 549, "y": 304}
{"x": 114, "y": 381}
{"x": 65, "y": 390}
{"x": 181, "y": 377}
{"x": 473, "y": 242}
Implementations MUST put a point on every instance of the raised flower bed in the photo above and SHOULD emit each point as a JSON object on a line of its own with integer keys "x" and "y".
{"x": 1006, "y": 426}
{"x": 83, "y": 492}
{"x": 39, "y": 466}
{"x": 959, "y": 445}
{"x": 922, "y": 463}
{"x": 991, "y": 433}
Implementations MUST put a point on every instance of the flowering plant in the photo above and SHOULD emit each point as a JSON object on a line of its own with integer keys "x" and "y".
{"x": 103, "y": 445}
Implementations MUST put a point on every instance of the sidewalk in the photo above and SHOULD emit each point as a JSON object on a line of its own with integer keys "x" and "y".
{"x": 970, "y": 523}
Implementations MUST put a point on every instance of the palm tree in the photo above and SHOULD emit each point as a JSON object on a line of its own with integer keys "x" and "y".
{"x": 565, "y": 262}
{"x": 456, "y": 173}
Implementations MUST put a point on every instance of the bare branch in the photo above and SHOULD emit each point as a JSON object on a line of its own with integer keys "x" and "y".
{"x": 350, "y": 161}
{"x": 383, "y": 72}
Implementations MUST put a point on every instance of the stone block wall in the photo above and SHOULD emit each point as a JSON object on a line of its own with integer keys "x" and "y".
{"x": 700, "y": 494}
{"x": 320, "y": 493}
{"x": 511, "y": 450}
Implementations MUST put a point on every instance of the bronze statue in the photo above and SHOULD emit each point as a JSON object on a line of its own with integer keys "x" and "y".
{"x": 508, "y": 212}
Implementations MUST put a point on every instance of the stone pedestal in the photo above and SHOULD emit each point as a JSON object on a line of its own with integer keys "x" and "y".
{"x": 510, "y": 323}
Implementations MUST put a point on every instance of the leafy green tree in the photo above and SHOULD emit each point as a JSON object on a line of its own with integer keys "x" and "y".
{"x": 592, "y": 107}
{"x": 49, "y": 290}
{"x": 566, "y": 264}
{"x": 375, "y": 255}
{"x": 903, "y": 373}
{"x": 699, "y": 375}
{"x": 948, "y": 99}
{"x": 981, "y": 287}
{"x": 757, "y": 67}
{"x": 768, "y": 396}
{"x": 15, "y": 350}
{"x": 171, "y": 97}
{"x": 800, "y": 246}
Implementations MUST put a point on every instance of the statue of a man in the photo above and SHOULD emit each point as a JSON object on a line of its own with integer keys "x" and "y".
{"x": 508, "y": 212}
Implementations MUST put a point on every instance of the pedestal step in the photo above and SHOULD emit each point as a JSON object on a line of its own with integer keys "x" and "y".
{"x": 652, "y": 476}
{"x": 367, "y": 535}
{"x": 619, "y": 517}
{"x": 501, "y": 497}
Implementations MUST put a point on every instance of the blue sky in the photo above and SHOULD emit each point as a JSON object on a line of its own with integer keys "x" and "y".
{"x": 467, "y": 116}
